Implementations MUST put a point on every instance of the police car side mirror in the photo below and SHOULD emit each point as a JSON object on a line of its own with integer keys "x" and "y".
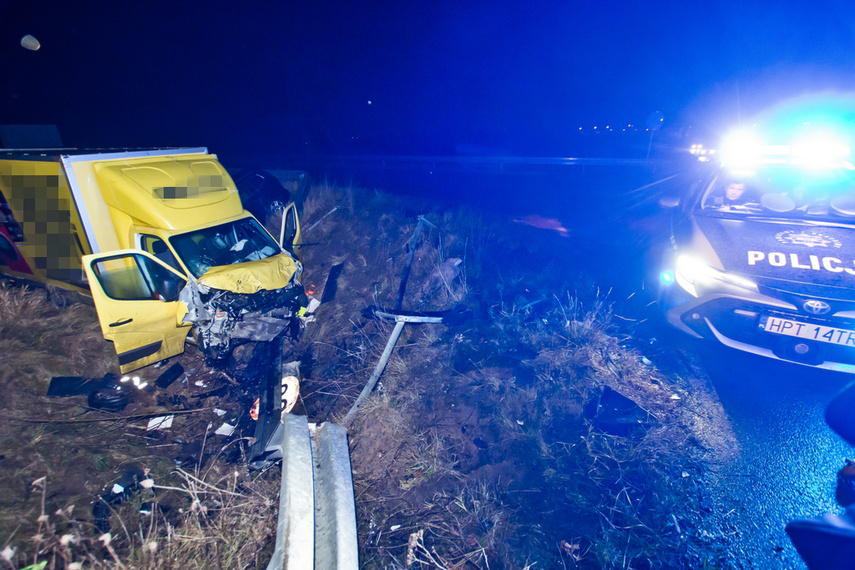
{"x": 669, "y": 201}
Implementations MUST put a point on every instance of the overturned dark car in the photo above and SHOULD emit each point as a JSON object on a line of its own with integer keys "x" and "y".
{"x": 761, "y": 257}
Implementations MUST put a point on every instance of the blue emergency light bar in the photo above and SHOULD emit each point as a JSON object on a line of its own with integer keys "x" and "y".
{"x": 744, "y": 150}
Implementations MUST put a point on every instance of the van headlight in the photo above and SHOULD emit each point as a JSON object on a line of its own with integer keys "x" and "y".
{"x": 692, "y": 273}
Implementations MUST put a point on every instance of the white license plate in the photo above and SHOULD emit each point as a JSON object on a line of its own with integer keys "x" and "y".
{"x": 818, "y": 333}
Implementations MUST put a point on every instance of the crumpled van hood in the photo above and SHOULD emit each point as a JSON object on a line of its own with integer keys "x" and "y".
{"x": 272, "y": 273}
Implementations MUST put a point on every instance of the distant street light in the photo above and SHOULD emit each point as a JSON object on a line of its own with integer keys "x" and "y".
{"x": 654, "y": 123}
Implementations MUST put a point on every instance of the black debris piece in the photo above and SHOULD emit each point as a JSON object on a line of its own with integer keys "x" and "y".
{"x": 71, "y": 386}
{"x": 62, "y": 386}
{"x": 614, "y": 413}
{"x": 101, "y": 514}
{"x": 331, "y": 285}
{"x": 169, "y": 376}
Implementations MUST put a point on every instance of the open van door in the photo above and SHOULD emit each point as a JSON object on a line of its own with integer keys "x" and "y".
{"x": 136, "y": 296}
{"x": 290, "y": 237}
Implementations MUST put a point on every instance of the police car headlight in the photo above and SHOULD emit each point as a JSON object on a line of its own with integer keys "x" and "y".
{"x": 691, "y": 273}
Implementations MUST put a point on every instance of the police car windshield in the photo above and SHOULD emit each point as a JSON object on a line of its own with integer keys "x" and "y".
{"x": 782, "y": 192}
{"x": 226, "y": 244}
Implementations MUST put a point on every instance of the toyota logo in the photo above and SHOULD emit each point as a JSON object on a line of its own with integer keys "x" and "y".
{"x": 816, "y": 307}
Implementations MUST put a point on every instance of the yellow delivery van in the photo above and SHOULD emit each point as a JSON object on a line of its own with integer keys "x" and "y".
{"x": 160, "y": 240}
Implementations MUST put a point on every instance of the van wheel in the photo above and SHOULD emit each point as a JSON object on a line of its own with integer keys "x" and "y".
{"x": 108, "y": 399}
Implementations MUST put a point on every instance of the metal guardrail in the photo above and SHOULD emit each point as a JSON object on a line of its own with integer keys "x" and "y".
{"x": 469, "y": 163}
{"x": 317, "y": 514}
{"x": 336, "y": 545}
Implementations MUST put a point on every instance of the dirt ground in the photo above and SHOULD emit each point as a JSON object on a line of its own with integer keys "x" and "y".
{"x": 541, "y": 425}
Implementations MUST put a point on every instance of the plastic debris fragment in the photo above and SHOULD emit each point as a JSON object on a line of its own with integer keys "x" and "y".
{"x": 160, "y": 422}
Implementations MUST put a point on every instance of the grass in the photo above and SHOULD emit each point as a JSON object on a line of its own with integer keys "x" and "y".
{"x": 496, "y": 401}
{"x": 222, "y": 520}
{"x": 58, "y": 457}
{"x": 477, "y": 449}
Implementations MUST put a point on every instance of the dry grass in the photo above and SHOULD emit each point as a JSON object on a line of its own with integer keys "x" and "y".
{"x": 57, "y": 457}
{"x": 221, "y": 519}
{"x": 41, "y": 340}
{"x": 476, "y": 450}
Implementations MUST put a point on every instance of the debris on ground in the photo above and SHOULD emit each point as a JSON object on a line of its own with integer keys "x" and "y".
{"x": 525, "y": 429}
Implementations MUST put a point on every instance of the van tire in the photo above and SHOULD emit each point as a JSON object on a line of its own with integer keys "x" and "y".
{"x": 108, "y": 399}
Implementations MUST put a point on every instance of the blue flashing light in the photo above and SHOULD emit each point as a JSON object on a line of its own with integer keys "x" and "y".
{"x": 741, "y": 150}
{"x": 667, "y": 277}
{"x": 819, "y": 150}
{"x": 813, "y": 132}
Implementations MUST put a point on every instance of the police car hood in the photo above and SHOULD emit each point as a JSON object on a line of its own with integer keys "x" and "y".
{"x": 811, "y": 258}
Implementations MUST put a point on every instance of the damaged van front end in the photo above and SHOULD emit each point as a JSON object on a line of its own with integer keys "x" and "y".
{"x": 244, "y": 287}
{"x": 232, "y": 305}
{"x": 179, "y": 255}
{"x": 146, "y": 305}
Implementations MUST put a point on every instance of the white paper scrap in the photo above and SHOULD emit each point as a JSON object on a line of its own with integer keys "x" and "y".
{"x": 160, "y": 422}
{"x": 225, "y": 429}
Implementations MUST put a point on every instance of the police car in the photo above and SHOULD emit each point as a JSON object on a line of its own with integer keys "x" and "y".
{"x": 762, "y": 252}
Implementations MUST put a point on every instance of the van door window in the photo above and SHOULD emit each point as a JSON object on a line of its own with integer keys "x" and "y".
{"x": 136, "y": 278}
{"x": 290, "y": 230}
{"x": 158, "y": 248}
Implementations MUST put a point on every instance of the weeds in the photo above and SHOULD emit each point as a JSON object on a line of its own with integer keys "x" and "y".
{"x": 479, "y": 452}
{"x": 534, "y": 480}
{"x": 225, "y": 520}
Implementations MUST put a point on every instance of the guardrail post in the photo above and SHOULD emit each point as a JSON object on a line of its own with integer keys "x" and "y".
{"x": 336, "y": 546}
{"x": 295, "y": 533}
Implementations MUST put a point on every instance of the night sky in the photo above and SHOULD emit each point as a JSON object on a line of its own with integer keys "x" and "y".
{"x": 443, "y": 78}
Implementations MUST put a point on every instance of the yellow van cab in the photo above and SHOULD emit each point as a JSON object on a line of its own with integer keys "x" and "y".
{"x": 160, "y": 240}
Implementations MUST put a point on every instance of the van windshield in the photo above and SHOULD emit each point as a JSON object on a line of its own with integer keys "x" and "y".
{"x": 782, "y": 192}
{"x": 236, "y": 242}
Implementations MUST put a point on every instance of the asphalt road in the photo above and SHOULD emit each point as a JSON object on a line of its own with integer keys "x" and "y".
{"x": 786, "y": 467}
